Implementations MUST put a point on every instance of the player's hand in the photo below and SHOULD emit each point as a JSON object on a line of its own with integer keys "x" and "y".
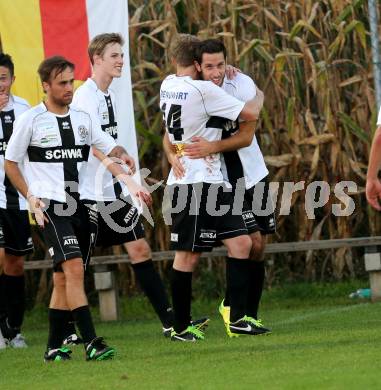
{"x": 36, "y": 208}
{"x": 199, "y": 148}
{"x": 3, "y": 100}
{"x": 231, "y": 71}
{"x": 129, "y": 161}
{"x": 141, "y": 193}
{"x": 177, "y": 166}
{"x": 373, "y": 193}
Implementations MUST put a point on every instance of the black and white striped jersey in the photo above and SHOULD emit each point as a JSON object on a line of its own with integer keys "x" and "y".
{"x": 9, "y": 197}
{"x": 187, "y": 106}
{"x": 99, "y": 184}
{"x": 55, "y": 149}
{"x": 246, "y": 162}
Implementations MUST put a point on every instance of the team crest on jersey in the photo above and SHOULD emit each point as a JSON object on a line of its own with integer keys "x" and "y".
{"x": 105, "y": 115}
{"x": 83, "y": 132}
{"x": 7, "y": 119}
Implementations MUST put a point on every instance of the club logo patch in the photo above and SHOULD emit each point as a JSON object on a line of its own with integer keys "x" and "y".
{"x": 83, "y": 132}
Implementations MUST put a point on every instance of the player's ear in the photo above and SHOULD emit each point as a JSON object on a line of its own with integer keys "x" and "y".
{"x": 97, "y": 58}
{"x": 198, "y": 66}
{"x": 45, "y": 86}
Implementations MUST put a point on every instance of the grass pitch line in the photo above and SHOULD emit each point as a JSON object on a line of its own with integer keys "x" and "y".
{"x": 319, "y": 313}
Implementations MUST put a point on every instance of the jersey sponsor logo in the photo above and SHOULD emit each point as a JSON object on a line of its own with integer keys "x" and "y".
{"x": 3, "y": 146}
{"x": 83, "y": 132}
{"x": 70, "y": 241}
{"x": 173, "y": 95}
{"x": 112, "y": 130}
{"x": 59, "y": 154}
{"x": 104, "y": 116}
{"x": 174, "y": 237}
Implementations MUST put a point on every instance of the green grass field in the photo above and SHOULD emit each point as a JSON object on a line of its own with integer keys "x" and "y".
{"x": 321, "y": 339}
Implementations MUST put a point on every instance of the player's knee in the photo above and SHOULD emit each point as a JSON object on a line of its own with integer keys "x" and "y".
{"x": 258, "y": 247}
{"x": 186, "y": 261}
{"x": 73, "y": 270}
{"x": 239, "y": 247}
{"x": 139, "y": 250}
{"x": 59, "y": 280}
{"x": 13, "y": 265}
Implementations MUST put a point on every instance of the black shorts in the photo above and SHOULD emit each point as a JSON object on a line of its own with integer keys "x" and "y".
{"x": 15, "y": 235}
{"x": 195, "y": 226}
{"x": 70, "y": 236}
{"x": 119, "y": 226}
{"x": 258, "y": 209}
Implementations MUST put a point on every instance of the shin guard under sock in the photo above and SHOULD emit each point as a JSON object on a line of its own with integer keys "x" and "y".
{"x": 181, "y": 286}
{"x": 237, "y": 280}
{"x": 153, "y": 287}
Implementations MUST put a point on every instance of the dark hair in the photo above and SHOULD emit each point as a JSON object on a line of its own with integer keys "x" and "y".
{"x": 98, "y": 44}
{"x": 210, "y": 46}
{"x": 53, "y": 66}
{"x": 6, "y": 61}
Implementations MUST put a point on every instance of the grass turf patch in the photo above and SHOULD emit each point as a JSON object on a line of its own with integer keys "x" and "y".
{"x": 320, "y": 339}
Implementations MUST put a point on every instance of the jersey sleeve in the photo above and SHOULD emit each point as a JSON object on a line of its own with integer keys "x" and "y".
{"x": 88, "y": 103}
{"x": 101, "y": 140}
{"x": 379, "y": 118}
{"x": 219, "y": 103}
{"x": 20, "y": 139}
{"x": 247, "y": 89}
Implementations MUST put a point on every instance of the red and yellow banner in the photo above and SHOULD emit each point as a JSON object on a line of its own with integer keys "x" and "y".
{"x": 32, "y": 30}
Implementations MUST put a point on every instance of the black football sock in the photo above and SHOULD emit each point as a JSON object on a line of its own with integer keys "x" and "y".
{"x": 3, "y": 306}
{"x": 57, "y": 326}
{"x": 14, "y": 290}
{"x": 152, "y": 285}
{"x": 257, "y": 279}
{"x": 83, "y": 320}
{"x": 227, "y": 298}
{"x": 238, "y": 279}
{"x": 69, "y": 327}
{"x": 181, "y": 286}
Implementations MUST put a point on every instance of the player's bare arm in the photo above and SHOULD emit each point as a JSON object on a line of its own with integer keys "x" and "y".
{"x": 117, "y": 170}
{"x": 373, "y": 184}
{"x": 12, "y": 170}
{"x": 173, "y": 158}
{"x": 200, "y": 147}
{"x": 121, "y": 154}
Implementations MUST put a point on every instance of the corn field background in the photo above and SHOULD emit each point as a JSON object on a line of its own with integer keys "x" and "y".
{"x": 312, "y": 59}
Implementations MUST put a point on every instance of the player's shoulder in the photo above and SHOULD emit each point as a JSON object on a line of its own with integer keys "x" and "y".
{"x": 21, "y": 102}
{"x": 32, "y": 113}
{"x": 77, "y": 111}
{"x": 240, "y": 80}
{"x": 86, "y": 89}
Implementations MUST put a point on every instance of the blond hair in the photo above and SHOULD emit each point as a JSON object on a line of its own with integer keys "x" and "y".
{"x": 183, "y": 49}
{"x": 98, "y": 44}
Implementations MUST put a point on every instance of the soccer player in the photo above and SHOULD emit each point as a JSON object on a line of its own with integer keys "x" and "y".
{"x": 188, "y": 105}
{"x": 54, "y": 140}
{"x": 15, "y": 235}
{"x": 96, "y": 98}
{"x": 373, "y": 183}
{"x": 242, "y": 160}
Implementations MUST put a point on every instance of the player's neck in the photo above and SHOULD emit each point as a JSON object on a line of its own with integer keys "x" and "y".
{"x": 186, "y": 71}
{"x": 56, "y": 108}
{"x": 102, "y": 81}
